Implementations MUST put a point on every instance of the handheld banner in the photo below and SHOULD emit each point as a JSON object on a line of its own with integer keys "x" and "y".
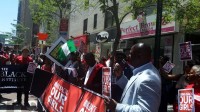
{"x": 186, "y": 100}
{"x": 91, "y": 103}
{"x": 12, "y": 78}
{"x": 61, "y": 96}
{"x": 185, "y": 51}
{"x": 106, "y": 81}
{"x": 168, "y": 66}
{"x": 40, "y": 81}
{"x": 31, "y": 67}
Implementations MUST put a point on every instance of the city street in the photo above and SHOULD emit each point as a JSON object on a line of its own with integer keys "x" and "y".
{"x": 8, "y": 99}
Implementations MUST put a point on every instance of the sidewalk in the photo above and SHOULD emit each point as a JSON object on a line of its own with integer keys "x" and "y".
{"x": 9, "y": 98}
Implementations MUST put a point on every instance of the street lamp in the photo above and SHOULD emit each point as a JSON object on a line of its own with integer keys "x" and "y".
{"x": 158, "y": 33}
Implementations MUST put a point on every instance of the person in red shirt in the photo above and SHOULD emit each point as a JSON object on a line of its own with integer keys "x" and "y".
{"x": 24, "y": 59}
{"x": 47, "y": 64}
{"x": 193, "y": 78}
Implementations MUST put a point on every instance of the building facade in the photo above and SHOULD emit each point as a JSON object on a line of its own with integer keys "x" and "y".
{"x": 134, "y": 30}
{"x": 25, "y": 19}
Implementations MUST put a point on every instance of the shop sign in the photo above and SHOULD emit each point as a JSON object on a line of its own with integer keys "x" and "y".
{"x": 102, "y": 37}
{"x": 147, "y": 27}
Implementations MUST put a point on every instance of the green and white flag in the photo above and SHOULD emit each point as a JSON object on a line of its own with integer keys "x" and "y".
{"x": 66, "y": 49}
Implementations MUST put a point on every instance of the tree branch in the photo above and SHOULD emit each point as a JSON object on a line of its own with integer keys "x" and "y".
{"x": 124, "y": 16}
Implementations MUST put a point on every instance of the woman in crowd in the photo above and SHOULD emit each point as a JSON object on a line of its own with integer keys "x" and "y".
{"x": 47, "y": 64}
{"x": 193, "y": 78}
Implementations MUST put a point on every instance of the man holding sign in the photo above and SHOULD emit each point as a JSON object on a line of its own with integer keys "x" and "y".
{"x": 24, "y": 60}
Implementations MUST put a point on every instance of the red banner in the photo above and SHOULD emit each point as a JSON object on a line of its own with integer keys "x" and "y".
{"x": 42, "y": 36}
{"x": 61, "y": 96}
{"x": 91, "y": 103}
{"x": 63, "y": 25}
{"x": 81, "y": 43}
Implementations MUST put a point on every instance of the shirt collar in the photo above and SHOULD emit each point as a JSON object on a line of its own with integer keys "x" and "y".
{"x": 141, "y": 68}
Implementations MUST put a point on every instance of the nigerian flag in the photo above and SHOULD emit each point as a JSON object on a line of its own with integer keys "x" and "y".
{"x": 66, "y": 49}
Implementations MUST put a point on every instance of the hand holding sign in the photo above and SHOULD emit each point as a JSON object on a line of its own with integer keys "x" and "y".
{"x": 168, "y": 66}
{"x": 31, "y": 67}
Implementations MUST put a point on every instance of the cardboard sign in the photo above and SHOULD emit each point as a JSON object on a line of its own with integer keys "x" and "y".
{"x": 186, "y": 100}
{"x": 52, "y": 53}
{"x": 31, "y": 67}
{"x": 106, "y": 81}
{"x": 168, "y": 66}
{"x": 185, "y": 51}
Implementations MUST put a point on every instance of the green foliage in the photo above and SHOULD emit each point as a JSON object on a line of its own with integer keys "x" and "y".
{"x": 49, "y": 12}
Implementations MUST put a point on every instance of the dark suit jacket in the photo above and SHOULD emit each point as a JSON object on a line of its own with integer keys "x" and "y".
{"x": 95, "y": 80}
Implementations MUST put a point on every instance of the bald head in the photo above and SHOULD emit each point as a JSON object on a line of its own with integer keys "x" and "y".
{"x": 140, "y": 54}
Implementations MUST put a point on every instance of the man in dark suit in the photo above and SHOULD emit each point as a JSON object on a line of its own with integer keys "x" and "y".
{"x": 93, "y": 78}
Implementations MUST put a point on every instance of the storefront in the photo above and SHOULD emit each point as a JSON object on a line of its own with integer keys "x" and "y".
{"x": 101, "y": 42}
{"x": 144, "y": 31}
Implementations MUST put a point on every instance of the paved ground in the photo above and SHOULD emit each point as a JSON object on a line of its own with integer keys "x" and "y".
{"x": 8, "y": 99}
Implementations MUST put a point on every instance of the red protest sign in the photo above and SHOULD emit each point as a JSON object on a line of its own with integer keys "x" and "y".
{"x": 106, "y": 81}
{"x": 186, "y": 100}
{"x": 61, "y": 96}
{"x": 91, "y": 103}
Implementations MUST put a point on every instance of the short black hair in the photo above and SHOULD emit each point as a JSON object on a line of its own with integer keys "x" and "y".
{"x": 89, "y": 55}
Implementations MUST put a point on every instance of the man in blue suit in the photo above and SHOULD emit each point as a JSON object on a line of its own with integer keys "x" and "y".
{"x": 142, "y": 92}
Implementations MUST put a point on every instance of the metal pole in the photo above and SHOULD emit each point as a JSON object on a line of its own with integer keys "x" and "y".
{"x": 158, "y": 33}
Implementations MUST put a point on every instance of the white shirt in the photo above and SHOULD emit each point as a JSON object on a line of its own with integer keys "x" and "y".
{"x": 88, "y": 74}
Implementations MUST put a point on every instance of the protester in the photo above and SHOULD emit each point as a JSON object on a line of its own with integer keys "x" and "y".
{"x": 193, "y": 78}
{"x": 24, "y": 60}
{"x": 120, "y": 58}
{"x": 93, "y": 78}
{"x": 168, "y": 86}
{"x": 74, "y": 69}
{"x": 47, "y": 64}
{"x": 3, "y": 55}
{"x": 3, "y": 58}
{"x": 143, "y": 91}
{"x": 103, "y": 61}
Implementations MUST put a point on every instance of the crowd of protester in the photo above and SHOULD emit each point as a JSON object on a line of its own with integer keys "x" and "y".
{"x": 136, "y": 84}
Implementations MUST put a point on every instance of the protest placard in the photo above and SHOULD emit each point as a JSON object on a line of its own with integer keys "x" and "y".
{"x": 168, "y": 66}
{"x": 31, "y": 67}
{"x": 186, "y": 100}
{"x": 185, "y": 51}
{"x": 106, "y": 81}
{"x": 52, "y": 53}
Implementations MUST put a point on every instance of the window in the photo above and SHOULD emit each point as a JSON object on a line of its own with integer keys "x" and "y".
{"x": 85, "y": 23}
{"x": 109, "y": 19}
{"x": 95, "y": 21}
